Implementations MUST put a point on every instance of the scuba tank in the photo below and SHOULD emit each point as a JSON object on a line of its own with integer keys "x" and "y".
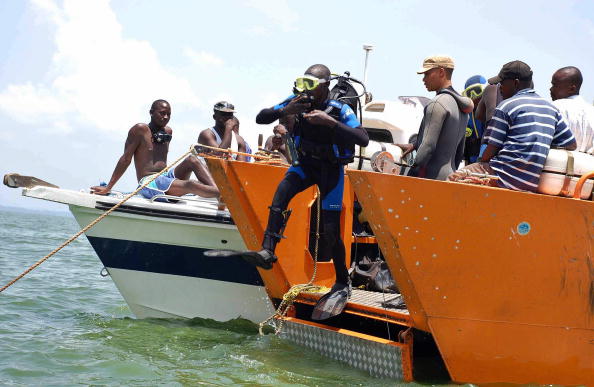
{"x": 345, "y": 92}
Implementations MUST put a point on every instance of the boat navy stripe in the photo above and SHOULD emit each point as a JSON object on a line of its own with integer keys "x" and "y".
{"x": 173, "y": 259}
{"x": 158, "y": 213}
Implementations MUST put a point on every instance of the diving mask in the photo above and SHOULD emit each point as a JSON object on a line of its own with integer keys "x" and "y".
{"x": 161, "y": 137}
{"x": 474, "y": 91}
{"x": 307, "y": 83}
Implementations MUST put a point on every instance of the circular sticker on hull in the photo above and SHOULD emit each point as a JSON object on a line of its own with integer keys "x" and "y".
{"x": 523, "y": 228}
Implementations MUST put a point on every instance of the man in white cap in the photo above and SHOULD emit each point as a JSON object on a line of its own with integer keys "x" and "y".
{"x": 440, "y": 143}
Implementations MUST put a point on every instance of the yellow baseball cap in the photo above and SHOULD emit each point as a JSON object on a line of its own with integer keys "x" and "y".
{"x": 436, "y": 61}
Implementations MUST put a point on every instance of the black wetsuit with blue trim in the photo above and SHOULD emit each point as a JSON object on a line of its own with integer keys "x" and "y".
{"x": 323, "y": 152}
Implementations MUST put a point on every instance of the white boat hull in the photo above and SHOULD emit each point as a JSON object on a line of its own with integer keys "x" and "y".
{"x": 158, "y": 266}
{"x": 154, "y": 253}
{"x": 188, "y": 297}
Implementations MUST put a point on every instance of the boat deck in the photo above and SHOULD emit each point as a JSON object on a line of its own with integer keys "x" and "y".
{"x": 375, "y": 305}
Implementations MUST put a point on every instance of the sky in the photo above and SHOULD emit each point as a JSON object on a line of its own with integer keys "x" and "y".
{"x": 76, "y": 75}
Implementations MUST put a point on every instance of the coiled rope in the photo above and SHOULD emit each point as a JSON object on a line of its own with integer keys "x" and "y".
{"x": 290, "y": 296}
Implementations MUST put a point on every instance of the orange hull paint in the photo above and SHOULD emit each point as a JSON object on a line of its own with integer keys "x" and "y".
{"x": 503, "y": 280}
{"x": 247, "y": 190}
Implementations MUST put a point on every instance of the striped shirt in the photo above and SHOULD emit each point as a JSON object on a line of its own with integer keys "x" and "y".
{"x": 525, "y": 127}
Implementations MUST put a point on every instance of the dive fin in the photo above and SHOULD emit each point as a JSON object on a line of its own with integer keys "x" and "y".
{"x": 262, "y": 258}
{"x": 14, "y": 180}
{"x": 222, "y": 253}
{"x": 332, "y": 303}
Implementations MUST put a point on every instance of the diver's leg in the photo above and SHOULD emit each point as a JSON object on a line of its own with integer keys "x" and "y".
{"x": 335, "y": 244}
{"x": 294, "y": 182}
{"x": 291, "y": 185}
{"x": 331, "y": 185}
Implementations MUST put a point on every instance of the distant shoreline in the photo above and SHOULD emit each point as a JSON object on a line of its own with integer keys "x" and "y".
{"x": 64, "y": 213}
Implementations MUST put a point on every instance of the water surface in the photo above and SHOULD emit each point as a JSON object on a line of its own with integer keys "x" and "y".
{"x": 64, "y": 324}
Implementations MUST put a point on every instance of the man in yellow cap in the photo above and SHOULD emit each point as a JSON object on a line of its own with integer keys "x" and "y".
{"x": 440, "y": 143}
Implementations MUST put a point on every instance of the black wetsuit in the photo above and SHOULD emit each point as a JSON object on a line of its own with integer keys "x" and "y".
{"x": 323, "y": 151}
{"x": 440, "y": 143}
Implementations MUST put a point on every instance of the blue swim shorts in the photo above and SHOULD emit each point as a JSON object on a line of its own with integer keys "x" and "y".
{"x": 158, "y": 186}
{"x": 328, "y": 177}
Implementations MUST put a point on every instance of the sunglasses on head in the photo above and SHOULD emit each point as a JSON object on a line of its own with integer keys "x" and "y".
{"x": 307, "y": 83}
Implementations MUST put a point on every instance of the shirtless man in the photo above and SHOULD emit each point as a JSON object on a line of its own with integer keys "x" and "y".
{"x": 225, "y": 133}
{"x": 276, "y": 143}
{"x": 149, "y": 145}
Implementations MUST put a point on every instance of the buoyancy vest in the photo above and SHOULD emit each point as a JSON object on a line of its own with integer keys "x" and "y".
{"x": 320, "y": 142}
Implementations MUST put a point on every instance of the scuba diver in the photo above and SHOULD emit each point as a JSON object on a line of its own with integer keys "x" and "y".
{"x": 324, "y": 132}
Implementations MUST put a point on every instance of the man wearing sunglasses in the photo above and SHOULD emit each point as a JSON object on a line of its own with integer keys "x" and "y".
{"x": 325, "y": 132}
{"x": 440, "y": 143}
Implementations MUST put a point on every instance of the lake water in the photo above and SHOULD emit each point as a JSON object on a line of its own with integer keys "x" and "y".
{"x": 64, "y": 324}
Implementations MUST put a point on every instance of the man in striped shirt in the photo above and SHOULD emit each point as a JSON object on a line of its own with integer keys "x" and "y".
{"x": 523, "y": 129}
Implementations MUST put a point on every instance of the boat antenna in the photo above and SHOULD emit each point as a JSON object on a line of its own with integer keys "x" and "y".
{"x": 368, "y": 48}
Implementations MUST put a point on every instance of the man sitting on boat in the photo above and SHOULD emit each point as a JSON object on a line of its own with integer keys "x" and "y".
{"x": 523, "y": 129}
{"x": 225, "y": 132}
{"x": 565, "y": 92}
{"x": 149, "y": 145}
{"x": 276, "y": 143}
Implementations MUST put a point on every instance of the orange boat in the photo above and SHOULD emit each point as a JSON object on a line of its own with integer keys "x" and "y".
{"x": 502, "y": 280}
{"x": 366, "y": 327}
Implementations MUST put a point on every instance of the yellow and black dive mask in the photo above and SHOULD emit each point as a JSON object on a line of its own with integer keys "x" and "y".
{"x": 307, "y": 83}
{"x": 474, "y": 91}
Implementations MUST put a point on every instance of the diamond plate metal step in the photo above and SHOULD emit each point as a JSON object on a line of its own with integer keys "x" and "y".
{"x": 368, "y": 304}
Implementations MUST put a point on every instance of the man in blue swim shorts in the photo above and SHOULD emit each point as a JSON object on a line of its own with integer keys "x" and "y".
{"x": 149, "y": 145}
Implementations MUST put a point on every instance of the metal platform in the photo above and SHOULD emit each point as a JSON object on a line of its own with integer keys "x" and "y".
{"x": 380, "y": 357}
{"x": 364, "y": 303}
